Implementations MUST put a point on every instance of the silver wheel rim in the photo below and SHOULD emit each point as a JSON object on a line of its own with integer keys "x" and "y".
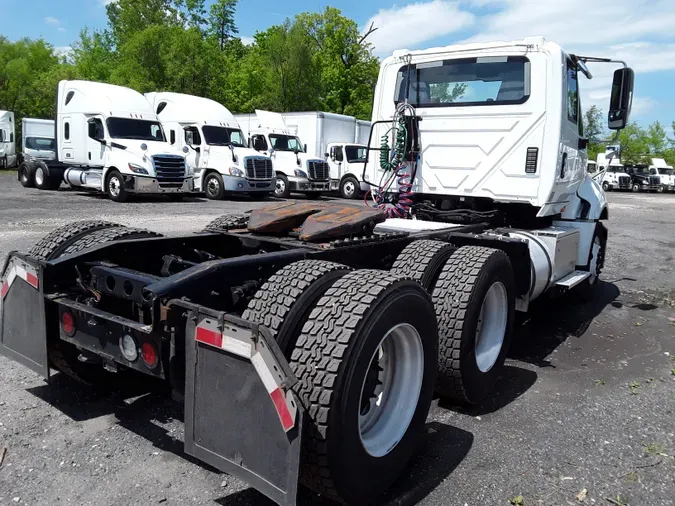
{"x": 387, "y": 409}
{"x": 114, "y": 186}
{"x": 213, "y": 186}
{"x": 349, "y": 188}
{"x": 491, "y": 327}
{"x": 279, "y": 186}
{"x": 595, "y": 254}
{"x": 39, "y": 176}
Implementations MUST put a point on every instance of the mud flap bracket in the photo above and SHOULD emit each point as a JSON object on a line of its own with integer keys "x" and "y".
{"x": 241, "y": 415}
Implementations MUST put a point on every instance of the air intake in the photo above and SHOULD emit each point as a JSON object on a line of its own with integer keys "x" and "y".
{"x": 531, "y": 160}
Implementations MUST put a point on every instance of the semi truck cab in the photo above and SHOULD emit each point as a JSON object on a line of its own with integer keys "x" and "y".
{"x": 217, "y": 151}
{"x": 8, "y": 156}
{"x": 346, "y": 162}
{"x": 659, "y": 168}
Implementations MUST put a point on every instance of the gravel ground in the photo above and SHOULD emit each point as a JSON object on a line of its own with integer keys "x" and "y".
{"x": 587, "y": 400}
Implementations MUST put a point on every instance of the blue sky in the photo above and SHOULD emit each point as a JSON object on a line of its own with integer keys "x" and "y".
{"x": 640, "y": 31}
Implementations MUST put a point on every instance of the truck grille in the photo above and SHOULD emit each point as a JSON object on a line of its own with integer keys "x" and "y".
{"x": 624, "y": 180}
{"x": 169, "y": 168}
{"x": 319, "y": 171}
{"x": 259, "y": 168}
{"x": 654, "y": 180}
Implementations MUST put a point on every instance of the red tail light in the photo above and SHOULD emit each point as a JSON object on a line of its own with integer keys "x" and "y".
{"x": 149, "y": 354}
{"x": 68, "y": 323}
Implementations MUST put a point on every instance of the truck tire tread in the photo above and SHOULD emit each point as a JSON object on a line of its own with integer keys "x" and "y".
{"x": 452, "y": 297}
{"x": 284, "y": 302}
{"x": 52, "y": 245}
{"x": 107, "y": 235}
{"x": 423, "y": 261}
{"x": 227, "y": 222}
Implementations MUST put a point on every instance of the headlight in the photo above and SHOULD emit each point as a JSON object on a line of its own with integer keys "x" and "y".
{"x": 236, "y": 172}
{"x": 190, "y": 171}
{"x": 300, "y": 173}
{"x": 137, "y": 169}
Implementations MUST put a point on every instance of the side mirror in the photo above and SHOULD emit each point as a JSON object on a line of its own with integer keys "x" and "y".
{"x": 305, "y": 148}
{"x": 95, "y": 130}
{"x": 621, "y": 99}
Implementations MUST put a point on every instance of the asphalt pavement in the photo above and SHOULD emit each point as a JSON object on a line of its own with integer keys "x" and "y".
{"x": 585, "y": 408}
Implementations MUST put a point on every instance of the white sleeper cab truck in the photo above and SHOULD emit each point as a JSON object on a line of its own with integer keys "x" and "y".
{"x": 39, "y": 145}
{"x": 295, "y": 169}
{"x": 8, "y": 157}
{"x": 340, "y": 140}
{"x": 110, "y": 140}
{"x": 665, "y": 173}
{"x": 611, "y": 172}
{"x": 222, "y": 162}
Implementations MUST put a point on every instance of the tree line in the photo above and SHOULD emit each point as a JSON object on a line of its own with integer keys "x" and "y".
{"x": 638, "y": 144}
{"x": 314, "y": 61}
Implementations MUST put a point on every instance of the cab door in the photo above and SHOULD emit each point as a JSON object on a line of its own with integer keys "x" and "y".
{"x": 573, "y": 157}
{"x": 193, "y": 140}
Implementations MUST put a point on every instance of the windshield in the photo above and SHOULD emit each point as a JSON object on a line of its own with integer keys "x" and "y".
{"x": 137, "y": 129}
{"x": 42, "y": 143}
{"x": 220, "y": 136}
{"x": 464, "y": 82}
{"x": 286, "y": 143}
{"x": 666, "y": 172}
{"x": 355, "y": 153}
{"x": 642, "y": 171}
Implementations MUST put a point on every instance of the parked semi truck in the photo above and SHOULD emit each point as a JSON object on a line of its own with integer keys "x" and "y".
{"x": 323, "y": 329}
{"x": 659, "y": 168}
{"x": 296, "y": 165}
{"x": 38, "y": 147}
{"x": 612, "y": 173}
{"x": 109, "y": 140}
{"x": 218, "y": 154}
{"x": 8, "y": 156}
{"x": 338, "y": 139}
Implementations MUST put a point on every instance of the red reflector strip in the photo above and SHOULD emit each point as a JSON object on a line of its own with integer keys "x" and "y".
{"x": 287, "y": 421}
{"x": 4, "y": 289}
{"x": 209, "y": 337}
{"x": 32, "y": 279}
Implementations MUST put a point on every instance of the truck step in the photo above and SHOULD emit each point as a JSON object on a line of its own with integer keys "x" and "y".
{"x": 572, "y": 280}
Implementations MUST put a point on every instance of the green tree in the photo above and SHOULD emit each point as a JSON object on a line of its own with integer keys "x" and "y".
{"x": 594, "y": 131}
{"x": 634, "y": 142}
{"x": 657, "y": 140}
{"x": 221, "y": 21}
{"x": 93, "y": 55}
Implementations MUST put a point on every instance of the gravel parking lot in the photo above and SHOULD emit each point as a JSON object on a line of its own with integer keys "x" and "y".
{"x": 587, "y": 401}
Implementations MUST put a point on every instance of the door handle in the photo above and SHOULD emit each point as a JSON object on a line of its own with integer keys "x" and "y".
{"x": 564, "y": 166}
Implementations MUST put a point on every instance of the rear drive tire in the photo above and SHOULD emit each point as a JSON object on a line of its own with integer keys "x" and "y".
{"x": 284, "y": 302}
{"x": 227, "y": 222}
{"x": 350, "y": 188}
{"x": 474, "y": 301}
{"x": 54, "y": 244}
{"x": 114, "y": 187}
{"x": 107, "y": 235}
{"x": 43, "y": 180}
{"x": 372, "y": 336}
{"x": 423, "y": 261}
{"x": 282, "y": 188}
{"x": 214, "y": 186}
{"x": 26, "y": 175}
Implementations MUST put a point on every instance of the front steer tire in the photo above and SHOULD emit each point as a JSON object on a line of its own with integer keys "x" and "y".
{"x": 27, "y": 175}
{"x": 333, "y": 360}
{"x": 285, "y": 301}
{"x": 460, "y": 295}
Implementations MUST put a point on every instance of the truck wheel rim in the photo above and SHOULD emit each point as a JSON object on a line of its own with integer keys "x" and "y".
{"x": 39, "y": 176}
{"x": 279, "y": 186}
{"x": 491, "y": 327}
{"x": 391, "y": 390}
{"x": 114, "y": 186}
{"x": 212, "y": 186}
{"x": 349, "y": 188}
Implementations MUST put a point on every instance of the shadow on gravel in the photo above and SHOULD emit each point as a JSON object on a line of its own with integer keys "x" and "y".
{"x": 146, "y": 199}
{"x": 550, "y": 322}
{"x": 441, "y": 450}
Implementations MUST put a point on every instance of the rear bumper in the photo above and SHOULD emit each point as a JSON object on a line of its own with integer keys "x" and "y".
{"x": 147, "y": 185}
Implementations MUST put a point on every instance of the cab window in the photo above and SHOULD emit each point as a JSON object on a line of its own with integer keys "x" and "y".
{"x": 192, "y": 137}
{"x": 572, "y": 93}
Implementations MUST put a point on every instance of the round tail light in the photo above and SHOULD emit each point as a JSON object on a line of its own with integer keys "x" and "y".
{"x": 68, "y": 323}
{"x": 149, "y": 354}
{"x": 129, "y": 348}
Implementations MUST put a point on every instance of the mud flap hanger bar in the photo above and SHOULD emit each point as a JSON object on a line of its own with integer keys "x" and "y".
{"x": 241, "y": 415}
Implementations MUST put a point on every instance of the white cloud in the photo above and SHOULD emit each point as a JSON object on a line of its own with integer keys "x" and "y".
{"x": 247, "y": 41}
{"x": 106, "y": 2}
{"x": 52, "y": 21}
{"x": 411, "y": 25}
{"x": 66, "y": 51}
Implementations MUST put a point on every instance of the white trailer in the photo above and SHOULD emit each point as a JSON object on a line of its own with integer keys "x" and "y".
{"x": 109, "y": 140}
{"x": 336, "y": 139}
{"x": 218, "y": 154}
{"x": 664, "y": 172}
{"x": 8, "y": 156}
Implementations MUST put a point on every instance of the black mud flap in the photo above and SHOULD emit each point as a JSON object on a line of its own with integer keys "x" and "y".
{"x": 241, "y": 415}
{"x": 23, "y": 331}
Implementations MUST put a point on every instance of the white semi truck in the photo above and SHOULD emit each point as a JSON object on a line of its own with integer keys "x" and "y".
{"x": 340, "y": 140}
{"x": 610, "y": 171}
{"x": 296, "y": 165}
{"x": 109, "y": 140}
{"x": 218, "y": 154}
{"x": 8, "y": 156}
{"x": 324, "y": 329}
{"x": 38, "y": 145}
{"x": 665, "y": 173}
